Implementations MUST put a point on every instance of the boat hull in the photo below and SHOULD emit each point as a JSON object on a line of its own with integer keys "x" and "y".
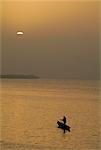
{"x": 63, "y": 126}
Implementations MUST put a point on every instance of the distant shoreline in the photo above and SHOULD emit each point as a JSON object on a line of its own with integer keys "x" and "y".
{"x": 18, "y": 76}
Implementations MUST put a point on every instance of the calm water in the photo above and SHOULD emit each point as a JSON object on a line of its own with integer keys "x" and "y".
{"x": 31, "y": 108}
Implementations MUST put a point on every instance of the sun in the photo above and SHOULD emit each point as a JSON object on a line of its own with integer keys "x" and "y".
{"x": 20, "y": 33}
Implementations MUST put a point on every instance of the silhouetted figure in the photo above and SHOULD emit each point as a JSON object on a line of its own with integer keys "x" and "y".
{"x": 64, "y": 120}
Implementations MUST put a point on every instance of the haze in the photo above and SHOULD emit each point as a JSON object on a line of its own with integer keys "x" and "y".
{"x": 60, "y": 40}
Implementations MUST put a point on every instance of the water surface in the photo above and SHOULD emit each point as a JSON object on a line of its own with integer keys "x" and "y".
{"x": 31, "y": 108}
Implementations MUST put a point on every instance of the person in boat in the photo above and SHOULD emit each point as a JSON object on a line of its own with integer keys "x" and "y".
{"x": 63, "y": 125}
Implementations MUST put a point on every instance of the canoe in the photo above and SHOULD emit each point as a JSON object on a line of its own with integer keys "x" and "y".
{"x": 63, "y": 126}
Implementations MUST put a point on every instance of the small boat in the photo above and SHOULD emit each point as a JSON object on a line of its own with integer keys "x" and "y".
{"x": 63, "y": 126}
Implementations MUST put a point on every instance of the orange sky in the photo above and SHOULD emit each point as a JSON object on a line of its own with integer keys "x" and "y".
{"x": 37, "y": 15}
{"x": 69, "y": 28}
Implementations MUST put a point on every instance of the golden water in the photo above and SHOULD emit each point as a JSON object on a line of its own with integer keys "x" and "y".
{"x": 31, "y": 108}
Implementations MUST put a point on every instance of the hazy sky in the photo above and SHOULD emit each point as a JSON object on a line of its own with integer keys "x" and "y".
{"x": 60, "y": 40}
